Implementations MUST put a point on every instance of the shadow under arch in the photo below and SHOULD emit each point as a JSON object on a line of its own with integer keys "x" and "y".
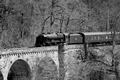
{"x": 96, "y": 75}
{"x": 1, "y": 76}
{"x": 19, "y": 70}
{"x": 46, "y": 69}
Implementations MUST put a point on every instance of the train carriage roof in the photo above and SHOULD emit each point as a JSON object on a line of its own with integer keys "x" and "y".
{"x": 72, "y": 34}
{"x": 60, "y": 35}
{"x": 97, "y": 33}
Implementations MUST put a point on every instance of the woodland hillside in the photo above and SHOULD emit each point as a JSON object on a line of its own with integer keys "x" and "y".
{"x": 22, "y": 20}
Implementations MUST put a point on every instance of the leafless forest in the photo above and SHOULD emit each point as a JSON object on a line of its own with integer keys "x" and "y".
{"x": 22, "y": 20}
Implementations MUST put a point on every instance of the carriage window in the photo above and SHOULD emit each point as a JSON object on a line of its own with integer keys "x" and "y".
{"x": 91, "y": 38}
{"x": 94, "y": 38}
{"x": 98, "y": 37}
{"x": 109, "y": 36}
{"x": 106, "y": 37}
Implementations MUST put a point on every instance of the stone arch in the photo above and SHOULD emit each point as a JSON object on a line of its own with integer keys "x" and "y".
{"x": 1, "y": 76}
{"x": 19, "y": 70}
{"x": 46, "y": 69}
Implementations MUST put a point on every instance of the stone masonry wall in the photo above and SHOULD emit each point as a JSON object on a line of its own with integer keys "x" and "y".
{"x": 63, "y": 62}
{"x": 76, "y": 69}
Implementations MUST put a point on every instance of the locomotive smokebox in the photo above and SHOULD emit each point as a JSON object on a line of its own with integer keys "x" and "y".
{"x": 39, "y": 40}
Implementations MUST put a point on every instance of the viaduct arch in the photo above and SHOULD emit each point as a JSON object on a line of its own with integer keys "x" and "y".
{"x": 1, "y": 76}
{"x": 46, "y": 69}
{"x": 19, "y": 70}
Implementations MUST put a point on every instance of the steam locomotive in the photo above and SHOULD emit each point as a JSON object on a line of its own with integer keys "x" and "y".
{"x": 90, "y": 38}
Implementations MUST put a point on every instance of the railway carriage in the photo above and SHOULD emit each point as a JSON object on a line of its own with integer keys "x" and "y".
{"x": 97, "y": 37}
{"x": 102, "y": 38}
{"x": 73, "y": 38}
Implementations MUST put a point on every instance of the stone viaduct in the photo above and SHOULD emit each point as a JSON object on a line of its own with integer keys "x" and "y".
{"x": 29, "y": 62}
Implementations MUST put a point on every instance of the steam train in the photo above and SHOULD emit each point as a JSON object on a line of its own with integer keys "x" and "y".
{"x": 90, "y": 38}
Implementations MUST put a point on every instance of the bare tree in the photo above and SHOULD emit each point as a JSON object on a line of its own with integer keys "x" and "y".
{"x": 105, "y": 10}
{"x": 71, "y": 6}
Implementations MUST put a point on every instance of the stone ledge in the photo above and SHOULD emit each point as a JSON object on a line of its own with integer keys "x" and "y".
{"x": 27, "y": 50}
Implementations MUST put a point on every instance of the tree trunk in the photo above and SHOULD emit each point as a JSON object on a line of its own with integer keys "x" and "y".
{"x": 43, "y": 24}
{"x": 61, "y": 23}
{"x": 107, "y": 27}
{"x": 117, "y": 73}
